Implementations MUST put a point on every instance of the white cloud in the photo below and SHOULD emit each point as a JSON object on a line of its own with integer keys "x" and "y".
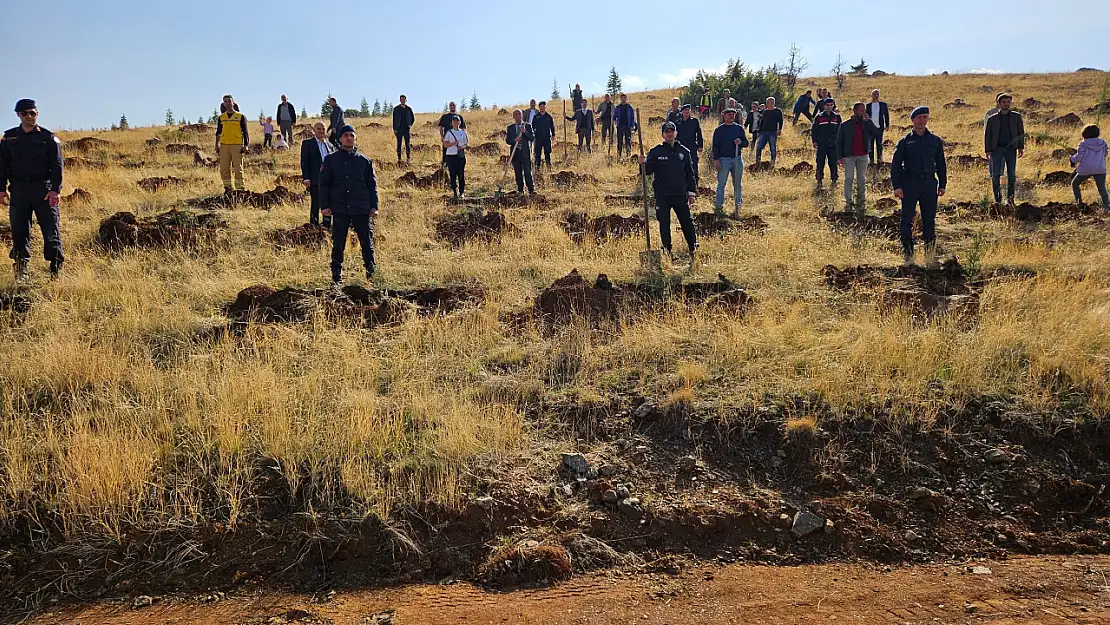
{"x": 684, "y": 75}
{"x": 632, "y": 81}
{"x": 984, "y": 70}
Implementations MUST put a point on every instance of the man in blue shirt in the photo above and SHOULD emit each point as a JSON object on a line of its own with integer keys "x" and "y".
{"x": 728, "y": 140}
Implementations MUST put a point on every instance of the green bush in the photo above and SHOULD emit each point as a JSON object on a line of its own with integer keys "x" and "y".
{"x": 746, "y": 85}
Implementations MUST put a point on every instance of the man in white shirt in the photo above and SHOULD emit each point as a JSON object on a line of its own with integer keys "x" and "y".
{"x": 532, "y": 111}
{"x": 313, "y": 153}
{"x": 879, "y": 114}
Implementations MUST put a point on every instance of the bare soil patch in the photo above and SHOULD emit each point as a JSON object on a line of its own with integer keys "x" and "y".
{"x": 173, "y": 228}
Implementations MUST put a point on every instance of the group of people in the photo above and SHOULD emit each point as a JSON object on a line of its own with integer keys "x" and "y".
{"x": 343, "y": 192}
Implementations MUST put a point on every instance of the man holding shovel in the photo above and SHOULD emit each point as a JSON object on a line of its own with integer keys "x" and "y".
{"x": 728, "y": 139}
{"x": 675, "y": 188}
{"x": 520, "y": 136}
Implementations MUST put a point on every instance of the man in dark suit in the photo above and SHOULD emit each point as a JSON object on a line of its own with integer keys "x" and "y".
{"x": 880, "y": 118}
{"x": 583, "y": 120}
{"x": 313, "y": 153}
{"x": 520, "y": 136}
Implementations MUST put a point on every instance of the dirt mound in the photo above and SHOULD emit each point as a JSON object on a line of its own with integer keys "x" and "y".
{"x": 76, "y": 162}
{"x": 436, "y": 178}
{"x": 485, "y": 149}
{"x": 635, "y": 199}
{"x": 761, "y": 166}
{"x": 886, "y": 226}
{"x": 151, "y": 185}
{"x": 967, "y": 160}
{"x": 579, "y": 225}
{"x": 885, "y": 203}
{"x": 289, "y": 180}
{"x": 180, "y": 148}
{"x": 306, "y": 235}
{"x": 572, "y": 296}
{"x": 924, "y": 290}
{"x": 134, "y": 165}
{"x": 232, "y": 198}
{"x": 86, "y": 144}
{"x": 1031, "y": 103}
{"x": 802, "y": 168}
{"x": 512, "y": 199}
{"x": 472, "y": 224}
{"x": 173, "y": 228}
{"x": 496, "y": 135}
{"x": 1101, "y": 107}
{"x": 201, "y": 128}
{"x": 1058, "y": 177}
{"x": 1052, "y": 212}
{"x": 153, "y": 142}
{"x": 374, "y": 125}
{"x": 267, "y": 305}
{"x": 1063, "y": 152}
{"x": 1071, "y": 119}
{"x": 656, "y": 121}
{"x": 902, "y": 109}
{"x": 79, "y": 195}
{"x": 569, "y": 179}
{"x": 958, "y": 103}
{"x": 200, "y": 159}
{"x": 305, "y": 134}
{"x": 710, "y": 224}
{"x": 527, "y": 562}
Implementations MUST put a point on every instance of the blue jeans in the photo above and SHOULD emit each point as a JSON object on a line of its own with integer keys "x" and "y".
{"x": 764, "y": 139}
{"x": 1004, "y": 157}
{"x": 736, "y": 166}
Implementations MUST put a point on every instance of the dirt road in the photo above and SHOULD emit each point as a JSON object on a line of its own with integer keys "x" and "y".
{"x": 1022, "y": 590}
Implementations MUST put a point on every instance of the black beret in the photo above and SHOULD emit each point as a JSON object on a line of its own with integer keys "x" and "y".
{"x": 25, "y": 104}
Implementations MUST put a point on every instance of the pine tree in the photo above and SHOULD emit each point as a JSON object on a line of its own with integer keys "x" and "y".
{"x": 377, "y": 107}
{"x": 325, "y": 108}
{"x": 555, "y": 89}
{"x": 123, "y": 122}
{"x": 475, "y": 105}
{"x": 861, "y": 69}
{"x": 261, "y": 115}
{"x": 387, "y": 106}
{"x": 364, "y": 107}
{"x": 215, "y": 116}
{"x": 169, "y": 117}
{"x": 446, "y": 107}
{"x": 200, "y": 120}
{"x": 613, "y": 87}
{"x": 304, "y": 112}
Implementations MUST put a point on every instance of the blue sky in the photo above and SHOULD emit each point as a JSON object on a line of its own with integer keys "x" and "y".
{"x": 87, "y": 61}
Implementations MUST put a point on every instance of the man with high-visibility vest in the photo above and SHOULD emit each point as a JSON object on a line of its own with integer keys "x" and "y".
{"x": 232, "y": 142}
{"x": 706, "y": 104}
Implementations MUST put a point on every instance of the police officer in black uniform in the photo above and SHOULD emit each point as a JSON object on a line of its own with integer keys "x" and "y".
{"x": 675, "y": 187}
{"x": 919, "y": 175}
{"x": 31, "y": 161}
{"x": 689, "y": 135}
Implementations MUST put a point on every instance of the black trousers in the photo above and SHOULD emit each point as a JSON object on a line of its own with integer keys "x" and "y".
{"x": 681, "y": 206}
{"x": 456, "y": 167}
{"x": 624, "y": 138}
{"x": 407, "y": 137}
{"x": 606, "y": 131}
{"x": 543, "y": 145}
{"x": 314, "y": 206}
{"x": 586, "y": 135}
{"x": 918, "y": 189}
{"x": 341, "y": 225}
{"x": 522, "y": 168}
{"x": 875, "y": 146}
{"x": 27, "y": 200}
{"x": 826, "y": 155}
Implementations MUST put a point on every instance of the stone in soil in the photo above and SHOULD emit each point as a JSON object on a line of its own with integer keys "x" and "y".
{"x": 630, "y": 508}
{"x": 576, "y": 463}
{"x": 806, "y": 523}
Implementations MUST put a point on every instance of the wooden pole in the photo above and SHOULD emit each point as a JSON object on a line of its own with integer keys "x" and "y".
{"x": 565, "y": 157}
{"x": 643, "y": 184}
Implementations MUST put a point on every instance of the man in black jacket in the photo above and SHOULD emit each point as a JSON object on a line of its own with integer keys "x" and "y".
{"x": 919, "y": 175}
{"x": 689, "y": 135}
{"x": 879, "y": 114}
{"x": 313, "y": 153}
{"x": 605, "y": 116}
{"x": 625, "y": 117}
{"x": 675, "y": 112}
{"x": 286, "y": 118}
{"x": 336, "y": 122}
{"x": 583, "y": 120}
{"x": 576, "y": 96}
{"x": 823, "y": 133}
{"x": 349, "y": 195}
{"x": 1004, "y": 139}
{"x": 543, "y": 125}
{"x": 675, "y": 187}
{"x": 403, "y": 120}
{"x": 770, "y": 129}
{"x": 519, "y": 135}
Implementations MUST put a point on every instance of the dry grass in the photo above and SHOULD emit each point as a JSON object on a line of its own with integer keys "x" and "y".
{"x": 114, "y": 414}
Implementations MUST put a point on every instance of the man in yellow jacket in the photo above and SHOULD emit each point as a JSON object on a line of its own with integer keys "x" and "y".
{"x": 232, "y": 142}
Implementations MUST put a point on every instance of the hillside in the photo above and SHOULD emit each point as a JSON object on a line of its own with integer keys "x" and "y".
{"x": 163, "y": 429}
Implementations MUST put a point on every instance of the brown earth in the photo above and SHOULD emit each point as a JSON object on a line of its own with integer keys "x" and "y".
{"x": 235, "y": 198}
{"x": 79, "y": 195}
{"x": 1018, "y": 591}
{"x": 930, "y": 291}
{"x": 173, "y": 228}
{"x": 1059, "y": 177}
{"x": 578, "y": 225}
{"x": 180, "y": 148}
{"x": 472, "y": 224}
{"x": 885, "y": 226}
{"x": 305, "y": 235}
{"x": 77, "y": 162}
{"x": 85, "y": 144}
{"x": 1049, "y": 213}
{"x": 437, "y": 177}
{"x": 150, "y": 185}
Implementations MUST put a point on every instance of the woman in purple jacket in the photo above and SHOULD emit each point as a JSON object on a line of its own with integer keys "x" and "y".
{"x": 1090, "y": 162}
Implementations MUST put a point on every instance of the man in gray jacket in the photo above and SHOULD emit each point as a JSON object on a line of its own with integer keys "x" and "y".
{"x": 852, "y": 138}
{"x": 286, "y": 118}
{"x": 1004, "y": 139}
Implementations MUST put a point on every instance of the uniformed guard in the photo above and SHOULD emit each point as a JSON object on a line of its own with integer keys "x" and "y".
{"x": 349, "y": 195}
{"x": 919, "y": 175}
{"x": 31, "y": 161}
{"x": 675, "y": 187}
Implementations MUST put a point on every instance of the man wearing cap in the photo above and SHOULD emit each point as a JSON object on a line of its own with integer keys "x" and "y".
{"x": 728, "y": 140}
{"x": 349, "y": 195}
{"x": 823, "y": 133}
{"x": 675, "y": 187}
{"x": 519, "y": 135}
{"x": 313, "y": 153}
{"x": 31, "y": 163}
{"x": 543, "y": 126}
{"x": 689, "y": 135}
{"x": 919, "y": 175}
{"x": 1004, "y": 136}
{"x": 675, "y": 112}
{"x": 232, "y": 142}
{"x": 852, "y": 139}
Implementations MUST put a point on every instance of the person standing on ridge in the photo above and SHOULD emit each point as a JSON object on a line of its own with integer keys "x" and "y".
{"x": 919, "y": 176}
{"x": 543, "y": 125}
{"x": 675, "y": 188}
{"x": 286, "y": 118}
{"x": 349, "y": 195}
{"x": 403, "y": 119}
{"x": 232, "y": 142}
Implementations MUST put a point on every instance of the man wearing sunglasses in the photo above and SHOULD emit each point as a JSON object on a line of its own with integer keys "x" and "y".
{"x": 31, "y": 163}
